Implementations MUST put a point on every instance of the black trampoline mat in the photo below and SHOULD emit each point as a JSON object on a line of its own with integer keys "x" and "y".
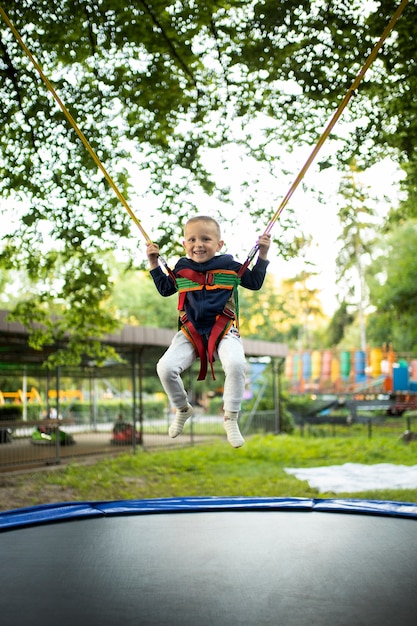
{"x": 224, "y": 567}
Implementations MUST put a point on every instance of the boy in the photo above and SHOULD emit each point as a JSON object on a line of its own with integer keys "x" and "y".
{"x": 206, "y": 282}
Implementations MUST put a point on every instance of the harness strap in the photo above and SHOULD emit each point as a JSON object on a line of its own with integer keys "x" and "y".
{"x": 211, "y": 278}
{"x": 221, "y": 327}
{"x": 192, "y": 335}
{"x": 190, "y": 280}
{"x": 244, "y": 267}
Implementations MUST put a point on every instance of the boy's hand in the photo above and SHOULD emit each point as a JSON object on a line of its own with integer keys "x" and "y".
{"x": 264, "y": 243}
{"x": 152, "y": 252}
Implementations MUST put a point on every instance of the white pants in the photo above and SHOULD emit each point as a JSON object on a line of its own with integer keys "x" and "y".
{"x": 181, "y": 355}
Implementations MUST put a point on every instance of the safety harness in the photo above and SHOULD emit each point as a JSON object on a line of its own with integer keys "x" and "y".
{"x": 190, "y": 280}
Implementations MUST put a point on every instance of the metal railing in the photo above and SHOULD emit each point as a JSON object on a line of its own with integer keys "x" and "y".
{"x": 24, "y": 445}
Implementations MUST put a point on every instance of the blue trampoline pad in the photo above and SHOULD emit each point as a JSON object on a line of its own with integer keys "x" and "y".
{"x": 209, "y": 561}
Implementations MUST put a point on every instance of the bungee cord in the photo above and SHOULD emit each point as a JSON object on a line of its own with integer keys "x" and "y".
{"x": 297, "y": 180}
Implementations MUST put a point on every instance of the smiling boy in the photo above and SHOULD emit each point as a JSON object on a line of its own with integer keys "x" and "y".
{"x": 207, "y": 283}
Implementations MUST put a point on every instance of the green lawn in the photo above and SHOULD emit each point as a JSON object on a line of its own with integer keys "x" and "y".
{"x": 216, "y": 469}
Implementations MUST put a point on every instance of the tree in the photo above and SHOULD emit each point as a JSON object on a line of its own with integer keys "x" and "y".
{"x": 157, "y": 87}
{"x": 341, "y": 319}
{"x": 358, "y": 221}
{"x": 303, "y": 309}
{"x": 136, "y": 301}
{"x": 393, "y": 292}
{"x": 262, "y": 313}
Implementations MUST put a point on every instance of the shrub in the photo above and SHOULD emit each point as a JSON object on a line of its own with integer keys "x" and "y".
{"x": 11, "y": 412}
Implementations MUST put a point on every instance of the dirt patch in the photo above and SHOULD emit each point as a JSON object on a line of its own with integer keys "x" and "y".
{"x": 24, "y": 490}
{"x": 27, "y": 487}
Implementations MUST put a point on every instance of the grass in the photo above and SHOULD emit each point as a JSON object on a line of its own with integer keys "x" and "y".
{"x": 216, "y": 469}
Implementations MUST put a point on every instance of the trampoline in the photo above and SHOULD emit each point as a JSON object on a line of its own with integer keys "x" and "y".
{"x": 210, "y": 561}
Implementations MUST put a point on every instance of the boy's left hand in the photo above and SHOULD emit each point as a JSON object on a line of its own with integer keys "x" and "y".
{"x": 264, "y": 243}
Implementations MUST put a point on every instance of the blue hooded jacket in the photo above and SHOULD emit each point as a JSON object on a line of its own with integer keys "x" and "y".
{"x": 203, "y": 306}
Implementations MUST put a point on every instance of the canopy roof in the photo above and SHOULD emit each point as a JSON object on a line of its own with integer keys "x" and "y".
{"x": 141, "y": 344}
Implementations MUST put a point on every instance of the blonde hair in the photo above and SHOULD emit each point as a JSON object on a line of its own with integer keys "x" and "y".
{"x": 204, "y": 218}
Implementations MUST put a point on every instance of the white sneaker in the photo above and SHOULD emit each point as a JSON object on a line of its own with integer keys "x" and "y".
{"x": 231, "y": 427}
{"x": 181, "y": 417}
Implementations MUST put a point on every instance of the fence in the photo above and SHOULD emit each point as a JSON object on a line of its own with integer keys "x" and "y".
{"x": 50, "y": 442}
{"x": 47, "y": 442}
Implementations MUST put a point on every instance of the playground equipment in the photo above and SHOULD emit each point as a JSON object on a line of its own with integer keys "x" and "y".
{"x": 377, "y": 370}
{"x": 18, "y": 397}
{"x": 124, "y": 434}
{"x": 210, "y": 561}
{"x": 46, "y": 434}
{"x": 66, "y": 395}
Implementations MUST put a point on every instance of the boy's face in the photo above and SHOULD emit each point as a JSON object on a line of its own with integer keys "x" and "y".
{"x": 201, "y": 241}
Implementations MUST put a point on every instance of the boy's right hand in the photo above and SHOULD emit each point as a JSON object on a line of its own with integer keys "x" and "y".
{"x": 152, "y": 252}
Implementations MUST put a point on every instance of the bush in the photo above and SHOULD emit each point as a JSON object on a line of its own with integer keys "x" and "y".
{"x": 11, "y": 412}
{"x": 266, "y": 422}
{"x": 109, "y": 410}
{"x": 154, "y": 409}
{"x": 14, "y": 412}
{"x": 303, "y": 406}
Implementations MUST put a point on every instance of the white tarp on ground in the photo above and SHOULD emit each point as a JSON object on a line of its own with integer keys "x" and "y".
{"x": 352, "y": 477}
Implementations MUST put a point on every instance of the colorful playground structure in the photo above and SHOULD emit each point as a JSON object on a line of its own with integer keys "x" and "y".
{"x": 376, "y": 370}
{"x": 66, "y": 395}
{"x": 18, "y": 397}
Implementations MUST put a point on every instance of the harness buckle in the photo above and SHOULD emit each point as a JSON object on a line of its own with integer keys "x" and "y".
{"x": 209, "y": 279}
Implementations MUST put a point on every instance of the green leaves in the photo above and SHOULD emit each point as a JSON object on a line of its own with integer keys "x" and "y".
{"x": 393, "y": 293}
